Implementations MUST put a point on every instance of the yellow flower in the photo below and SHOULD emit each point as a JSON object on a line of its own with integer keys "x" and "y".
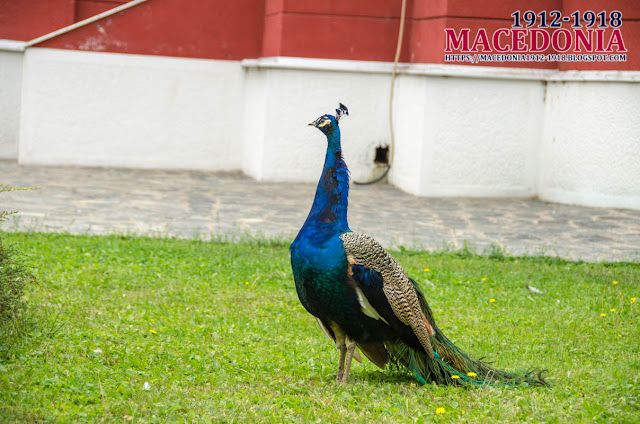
{"x": 455, "y": 377}
{"x": 427, "y": 270}
{"x": 440, "y": 410}
{"x": 472, "y": 374}
{"x": 492, "y": 300}
{"x": 612, "y": 310}
{"x": 633, "y": 300}
{"x": 483, "y": 279}
{"x": 619, "y": 335}
{"x": 153, "y": 332}
{"x": 463, "y": 412}
{"x": 603, "y": 315}
{"x": 615, "y": 282}
{"x": 246, "y": 283}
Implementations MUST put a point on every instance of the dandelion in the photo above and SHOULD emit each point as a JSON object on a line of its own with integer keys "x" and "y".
{"x": 427, "y": 270}
{"x": 633, "y": 300}
{"x": 153, "y": 332}
{"x": 603, "y": 315}
{"x": 246, "y": 283}
{"x": 492, "y": 300}
{"x": 455, "y": 377}
{"x": 440, "y": 410}
{"x": 483, "y": 279}
{"x": 615, "y": 282}
{"x": 612, "y": 310}
{"x": 472, "y": 374}
{"x": 619, "y": 335}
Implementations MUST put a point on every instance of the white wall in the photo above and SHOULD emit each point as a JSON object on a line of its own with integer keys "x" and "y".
{"x": 279, "y": 103}
{"x": 569, "y": 137}
{"x": 10, "y": 95}
{"x": 106, "y": 109}
{"x": 590, "y": 150}
{"x": 467, "y": 136}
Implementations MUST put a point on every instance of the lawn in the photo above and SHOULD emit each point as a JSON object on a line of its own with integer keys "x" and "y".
{"x": 131, "y": 329}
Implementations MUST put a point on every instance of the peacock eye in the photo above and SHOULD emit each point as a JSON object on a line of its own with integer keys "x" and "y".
{"x": 325, "y": 123}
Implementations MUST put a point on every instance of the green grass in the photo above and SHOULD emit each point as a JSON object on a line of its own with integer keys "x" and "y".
{"x": 217, "y": 331}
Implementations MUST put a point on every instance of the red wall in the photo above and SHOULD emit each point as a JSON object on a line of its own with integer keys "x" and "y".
{"x": 356, "y": 29}
{"x": 26, "y": 20}
{"x": 230, "y": 30}
{"x": 630, "y": 30}
{"x": 88, "y": 8}
{"x": 337, "y": 29}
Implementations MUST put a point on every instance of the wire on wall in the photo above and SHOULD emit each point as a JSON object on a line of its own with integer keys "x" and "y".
{"x": 394, "y": 72}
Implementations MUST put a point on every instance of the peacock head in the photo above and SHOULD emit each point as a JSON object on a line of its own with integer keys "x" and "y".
{"x": 328, "y": 123}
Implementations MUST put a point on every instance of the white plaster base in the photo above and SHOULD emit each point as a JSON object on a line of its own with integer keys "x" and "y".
{"x": 467, "y": 137}
{"x": 459, "y": 131}
{"x": 590, "y": 149}
{"x": 279, "y": 103}
{"x": 569, "y": 137}
{"x": 106, "y": 109}
{"x": 454, "y": 137}
{"x": 10, "y": 98}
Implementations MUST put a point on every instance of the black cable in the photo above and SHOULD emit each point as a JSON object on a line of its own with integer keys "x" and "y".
{"x": 384, "y": 174}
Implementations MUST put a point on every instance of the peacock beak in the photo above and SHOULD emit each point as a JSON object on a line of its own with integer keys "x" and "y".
{"x": 320, "y": 122}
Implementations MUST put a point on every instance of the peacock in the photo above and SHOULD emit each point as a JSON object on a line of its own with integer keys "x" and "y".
{"x": 361, "y": 297}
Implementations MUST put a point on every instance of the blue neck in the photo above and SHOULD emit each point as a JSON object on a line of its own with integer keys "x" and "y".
{"x": 329, "y": 210}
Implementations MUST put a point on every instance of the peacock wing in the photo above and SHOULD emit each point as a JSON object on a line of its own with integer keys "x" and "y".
{"x": 363, "y": 250}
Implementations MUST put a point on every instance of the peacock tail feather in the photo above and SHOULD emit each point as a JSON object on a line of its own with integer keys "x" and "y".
{"x": 449, "y": 360}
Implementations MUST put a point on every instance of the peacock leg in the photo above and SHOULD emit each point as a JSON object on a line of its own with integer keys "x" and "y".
{"x": 342, "y": 347}
{"x": 350, "y": 346}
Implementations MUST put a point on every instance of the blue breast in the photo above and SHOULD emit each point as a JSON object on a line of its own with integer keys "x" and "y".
{"x": 319, "y": 268}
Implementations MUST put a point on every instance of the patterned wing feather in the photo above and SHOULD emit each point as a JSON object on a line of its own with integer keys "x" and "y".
{"x": 397, "y": 287}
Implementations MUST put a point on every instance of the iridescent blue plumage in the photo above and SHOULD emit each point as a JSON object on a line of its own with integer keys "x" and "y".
{"x": 375, "y": 307}
{"x": 317, "y": 257}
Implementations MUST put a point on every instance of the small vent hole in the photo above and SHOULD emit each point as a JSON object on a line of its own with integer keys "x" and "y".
{"x": 382, "y": 155}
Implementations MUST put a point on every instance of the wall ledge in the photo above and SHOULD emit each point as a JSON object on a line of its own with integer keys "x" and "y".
{"x": 440, "y": 70}
{"x": 12, "y": 45}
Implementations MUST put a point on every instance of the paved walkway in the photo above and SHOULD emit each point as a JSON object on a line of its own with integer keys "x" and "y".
{"x": 203, "y": 204}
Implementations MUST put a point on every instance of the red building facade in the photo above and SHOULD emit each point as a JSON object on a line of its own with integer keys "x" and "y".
{"x": 365, "y": 30}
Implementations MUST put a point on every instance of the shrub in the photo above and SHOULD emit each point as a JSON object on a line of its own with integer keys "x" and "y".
{"x": 14, "y": 279}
